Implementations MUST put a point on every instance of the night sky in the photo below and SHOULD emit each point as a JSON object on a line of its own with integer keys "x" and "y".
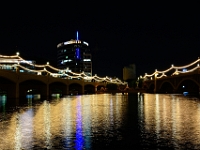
{"x": 152, "y": 36}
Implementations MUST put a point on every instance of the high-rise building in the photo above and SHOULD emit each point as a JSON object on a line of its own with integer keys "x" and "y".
{"x": 75, "y": 56}
{"x": 129, "y": 72}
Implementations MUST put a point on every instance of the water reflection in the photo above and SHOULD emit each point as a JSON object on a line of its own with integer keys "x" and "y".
{"x": 102, "y": 121}
{"x": 171, "y": 118}
{"x": 79, "y": 133}
{"x": 3, "y": 100}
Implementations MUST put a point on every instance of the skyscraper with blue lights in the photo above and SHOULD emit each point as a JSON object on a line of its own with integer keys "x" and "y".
{"x": 75, "y": 55}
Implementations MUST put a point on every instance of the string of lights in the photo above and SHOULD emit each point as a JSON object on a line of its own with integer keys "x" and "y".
{"x": 61, "y": 73}
{"x": 178, "y": 70}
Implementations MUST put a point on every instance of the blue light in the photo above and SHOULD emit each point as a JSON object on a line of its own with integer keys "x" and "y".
{"x": 79, "y": 142}
{"x": 77, "y": 35}
{"x": 185, "y": 93}
{"x": 77, "y": 53}
{"x": 184, "y": 70}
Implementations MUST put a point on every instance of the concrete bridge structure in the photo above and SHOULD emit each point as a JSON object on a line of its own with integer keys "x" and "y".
{"x": 18, "y": 85}
{"x": 19, "y": 77}
{"x": 186, "y": 83}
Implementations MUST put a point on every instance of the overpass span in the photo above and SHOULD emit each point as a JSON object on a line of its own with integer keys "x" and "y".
{"x": 46, "y": 80}
{"x": 176, "y": 79}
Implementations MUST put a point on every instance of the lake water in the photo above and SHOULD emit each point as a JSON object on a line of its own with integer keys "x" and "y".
{"x": 102, "y": 121}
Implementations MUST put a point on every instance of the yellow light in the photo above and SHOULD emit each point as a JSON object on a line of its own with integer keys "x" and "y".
{"x": 73, "y": 75}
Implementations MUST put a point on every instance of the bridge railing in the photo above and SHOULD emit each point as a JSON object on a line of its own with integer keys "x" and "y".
{"x": 18, "y": 64}
{"x": 173, "y": 70}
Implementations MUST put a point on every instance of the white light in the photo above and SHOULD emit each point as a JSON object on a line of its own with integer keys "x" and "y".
{"x": 67, "y": 60}
{"x": 17, "y": 53}
{"x": 59, "y": 45}
{"x": 39, "y": 72}
{"x": 86, "y": 59}
{"x": 27, "y": 61}
{"x": 72, "y": 42}
{"x": 184, "y": 70}
{"x": 85, "y": 43}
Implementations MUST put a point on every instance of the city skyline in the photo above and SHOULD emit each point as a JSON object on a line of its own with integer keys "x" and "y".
{"x": 151, "y": 37}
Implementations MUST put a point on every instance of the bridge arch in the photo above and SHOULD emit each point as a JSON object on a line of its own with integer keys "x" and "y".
{"x": 8, "y": 76}
{"x": 36, "y": 78}
{"x": 166, "y": 87}
{"x": 99, "y": 87}
{"x": 57, "y": 88}
{"x": 32, "y": 86}
{"x": 151, "y": 88}
{"x": 89, "y": 89}
{"x": 189, "y": 86}
{"x": 7, "y": 87}
{"x": 75, "y": 89}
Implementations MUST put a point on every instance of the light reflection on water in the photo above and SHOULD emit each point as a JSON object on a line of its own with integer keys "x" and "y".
{"x": 171, "y": 121}
{"x": 148, "y": 121}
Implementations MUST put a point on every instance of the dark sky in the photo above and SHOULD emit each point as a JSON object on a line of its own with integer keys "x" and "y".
{"x": 150, "y": 35}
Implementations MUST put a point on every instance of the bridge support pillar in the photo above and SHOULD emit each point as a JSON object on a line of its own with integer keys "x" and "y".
{"x": 155, "y": 87}
{"x": 83, "y": 90}
{"x": 47, "y": 92}
{"x": 199, "y": 91}
{"x": 67, "y": 89}
{"x": 95, "y": 88}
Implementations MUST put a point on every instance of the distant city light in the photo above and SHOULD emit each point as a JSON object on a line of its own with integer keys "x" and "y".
{"x": 178, "y": 70}
{"x": 86, "y": 59}
{"x": 78, "y": 53}
{"x": 16, "y": 60}
{"x": 77, "y": 35}
{"x": 184, "y": 70}
{"x": 85, "y": 43}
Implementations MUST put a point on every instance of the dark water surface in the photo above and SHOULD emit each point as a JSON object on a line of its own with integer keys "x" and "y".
{"x": 102, "y": 121}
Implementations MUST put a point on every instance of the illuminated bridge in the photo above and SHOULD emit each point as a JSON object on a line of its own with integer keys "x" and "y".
{"x": 176, "y": 79}
{"x": 19, "y": 77}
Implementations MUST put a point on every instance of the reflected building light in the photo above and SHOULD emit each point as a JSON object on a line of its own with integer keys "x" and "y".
{"x": 86, "y": 122}
{"x": 26, "y": 128}
{"x": 111, "y": 113}
{"x": 3, "y": 99}
{"x": 173, "y": 116}
{"x": 67, "y": 121}
{"x": 165, "y": 111}
{"x": 79, "y": 135}
{"x": 141, "y": 108}
{"x": 17, "y": 134}
{"x": 47, "y": 124}
{"x": 157, "y": 116}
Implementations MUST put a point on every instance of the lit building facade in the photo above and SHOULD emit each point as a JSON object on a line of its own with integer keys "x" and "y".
{"x": 8, "y": 63}
{"x": 129, "y": 72}
{"x": 75, "y": 56}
